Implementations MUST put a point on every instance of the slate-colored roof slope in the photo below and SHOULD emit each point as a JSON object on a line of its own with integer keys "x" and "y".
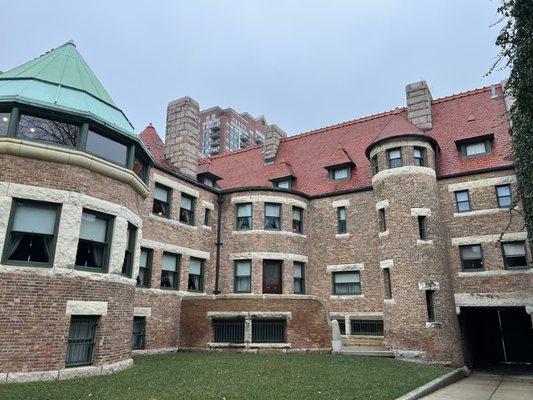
{"x": 61, "y": 79}
{"x": 456, "y": 117}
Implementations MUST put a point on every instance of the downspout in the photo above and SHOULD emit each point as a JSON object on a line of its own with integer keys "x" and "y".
{"x": 218, "y": 243}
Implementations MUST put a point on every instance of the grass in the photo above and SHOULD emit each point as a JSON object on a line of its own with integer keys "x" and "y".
{"x": 222, "y": 376}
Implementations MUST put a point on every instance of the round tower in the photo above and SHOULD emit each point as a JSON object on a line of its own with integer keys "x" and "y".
{"x": 419, "y": 312}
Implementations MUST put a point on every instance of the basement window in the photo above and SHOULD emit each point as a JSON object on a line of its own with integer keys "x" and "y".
{"x": 268, "y": 330}
{"x": 48, "y": 130}
{"x": 170, "y": 271}
{"x": 32, "y": 233}
{"x": 81, "y": 340}
{"x": 94, "y": 243}
{"x": 187, "y": 209}
{"x": 514, "y": 255}
{"x": 366, "y": 327}
{"x": 228, "y": 330}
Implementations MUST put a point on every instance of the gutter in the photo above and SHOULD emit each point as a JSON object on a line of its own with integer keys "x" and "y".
{"x": 218, "y": 243}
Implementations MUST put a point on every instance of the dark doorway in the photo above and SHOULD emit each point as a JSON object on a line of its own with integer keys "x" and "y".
{"x": 272, "y": 277}
{"x": 496, "y": 336}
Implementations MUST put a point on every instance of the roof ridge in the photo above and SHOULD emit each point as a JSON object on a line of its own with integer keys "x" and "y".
{"x": 464, "y": 94}
{"x": 229, "y": 153}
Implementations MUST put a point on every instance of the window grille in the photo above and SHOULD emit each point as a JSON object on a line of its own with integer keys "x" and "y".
{"x": 139, "y": 329}
{"x": 229, "y": 330}
{"x": 366, "y": 327}
{"x": 81, "y": 339}
{"x": 268, "y": 330}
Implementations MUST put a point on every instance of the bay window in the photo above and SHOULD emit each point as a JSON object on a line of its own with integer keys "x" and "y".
{"x": 94, "y": 242}
{"x": 187, "y": 209}
{"x": 196, "y": 275}
{"x": 48, "y": 130}
{"x": 106, "y": 148}
{"x": 244, "y": 216}
{"x": 273, "y": 216}
{"x": 170, "y": 271}
{"x": 161, "y": 204}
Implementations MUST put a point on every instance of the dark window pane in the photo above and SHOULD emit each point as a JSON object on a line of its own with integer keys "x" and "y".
{"x": 90, "y": 254}
{"x": 81, "y": 340}
{"x": 139, "y": 168}
{"x": 4, "y": 123}
{"x": 48, "y": 130}
{"x": 139, "y": 327}
{"x": 471, "y": 258}
{"x": 29, "y": 247}
{"x": 430, "y": 305}
{"x": 106, "y": 148}
{"x": 228, "y": 330}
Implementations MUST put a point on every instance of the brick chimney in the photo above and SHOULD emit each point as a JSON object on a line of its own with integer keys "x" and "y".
{"x": 182, "y": 135}
{"x": 419, "y": 105}
{"x": 273, "y": 137}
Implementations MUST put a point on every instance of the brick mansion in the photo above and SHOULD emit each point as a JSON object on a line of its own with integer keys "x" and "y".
{"x": 405, "y": 227}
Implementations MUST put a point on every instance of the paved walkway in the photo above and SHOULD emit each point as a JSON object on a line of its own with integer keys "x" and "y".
{"x": 487, "y": 387}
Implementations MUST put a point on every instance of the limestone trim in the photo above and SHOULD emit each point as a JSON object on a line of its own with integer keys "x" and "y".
{"x": 487, "y": 211}
{"x": 346, "y": 296}
{"x": 389, "y": 301}
{"x": 498, "y": 272}
{"x": 506, "y": 237}
{"x": 63, "y": 155}
{"x": 386, "y": 263}
{"x": 342, "y": 236}
{"x": 75, "y": 307}
{"x": 424, "y": 242}
{"x": 226, "y": 314}
{"x": 420, "y": 212}
{"x": 170, "y": 292}
{"x": 268, "y": 232}
{"x": 172, "y": 222}
{"x": 430, "y": 285}
{"x": 405, "y": 170}
{"x": 501, "y": 299}
{"x": 207, "y": 204}
{"x": 400, "y": 143}
{"x": 67, "y": 373}
{"x": 268, "y": 256}
{"x": 245, "y": 345}
{"x": 382, "y": 204}
{"x": 249, "y": 314}
{"x": 383, "y": 234}
{"x": 360, "y": 315}
{"x": 268, "y": 199}
{"x": 66, "y": 273}
{"x": 149, "y": 352}
{"x": 340, "y": 203}
{"x": 345, "y": 267}
{"x": 434, "y": 325}
{"x": 175, "y": 249}
{"x": 142, "y": 312}
{"x": 479, "y": 183}
{"x": 163, "y": 180}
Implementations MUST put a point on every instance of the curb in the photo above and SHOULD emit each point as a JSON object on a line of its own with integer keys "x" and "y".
{"x": 436, "y": 384}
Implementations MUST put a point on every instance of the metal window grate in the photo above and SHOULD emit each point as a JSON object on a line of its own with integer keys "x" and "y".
{"x": 228, "y": 330}
{"x": 268, "y": 330}
{"x": 81, "y": 340}
{"x": 366, "y": 327}
{"x": 139, "y": 329}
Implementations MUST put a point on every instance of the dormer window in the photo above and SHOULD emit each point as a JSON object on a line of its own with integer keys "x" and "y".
{"x": 208, "y": 179}
{"x": 340, "y": 165}
{"x": 476, "y": 146}
{"x": 338, "y": 174}
{"x": 283, "y": 184}
{"x": 209, "y": 182}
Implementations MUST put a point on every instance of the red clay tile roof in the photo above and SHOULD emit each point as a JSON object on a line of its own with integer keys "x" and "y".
{"x": 283, "y": 170}
{"x": 308, "y": 153}
{"x": 339, "y": 157}
{"x": 155, "y": 145}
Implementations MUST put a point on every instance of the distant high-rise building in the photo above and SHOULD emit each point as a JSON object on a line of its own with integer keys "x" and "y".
{"x": 224, "y": 130}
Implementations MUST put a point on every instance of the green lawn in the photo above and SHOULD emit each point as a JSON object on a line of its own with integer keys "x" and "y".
{"x": 192, "y": 376}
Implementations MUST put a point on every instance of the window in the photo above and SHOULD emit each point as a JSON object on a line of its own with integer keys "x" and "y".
{"x": 299, "y": 277}
{"x": 243, "y": 276}
{"x": 81, "y": 339}
{"x": 106, "y": 148}
{"x": 187, "y": 209}
{"x": 297, "y": 220}
{"x": 145, "y": 267}
{"x": 244, "y": 216}
{"x": 382, "y": 219}
{"x": 209, "y": 182}
{"x": 422, "y": 220}
{"x": 196, "y": 275}
{"x": 419, "y": 155}
{"x": 272, "y": 216}
{"x": 514, "y": 255}
{"x": 161, "y": 204}
{"x": 475, "y": 148}
{"x": 346, "y": 283}
{"x": 127, "y": 266}
{"x": 95, "y": 237}
{"x": 375, "y": 165}
{"x": 207, "y": 217}
{"x": 283, "y": 184}
{"x": 387, "y": 283}
{"x": 48, "y": 130}
{"x": 228, "y": 330}
{"x": 170, "y": 271}
{"x": 395, "y": 158}
{"x": 342, "y": 325}
{"x": 471, "y": 258}
{"x": 462, "y": 199}
{"x": 367, "y": 327}
{"x": 4, "y": 123}
{"x": 140, "y": 168}
{"x": 268, "y": 330}
{"x": 503, "y": 193}
{"x": 139, "y": 329}
{"x": 430, "y": 305}
{"x": 338, "y": 174}
{"x": 341, "y": 220}
{"x": 32, "y": 235}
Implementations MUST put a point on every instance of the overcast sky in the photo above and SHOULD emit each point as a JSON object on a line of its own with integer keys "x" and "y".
{"x": 303, "y": 64}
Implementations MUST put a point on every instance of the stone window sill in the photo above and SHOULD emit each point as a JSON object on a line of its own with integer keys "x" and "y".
{"x": 389, "y": 301}
{"x": 434, "y": 325}
{"x": 499, "y": 272}
{"x": 424, "y": 242}
{"x": 268, "y": 232}
{"x": 384, "y": 234}
{"x": 342, "y": 236}
{"x": 172, "y": 222}
{"x": 224, "y": 345}
{"x": 346, "y": 296}
{"x": 207, "y": 228}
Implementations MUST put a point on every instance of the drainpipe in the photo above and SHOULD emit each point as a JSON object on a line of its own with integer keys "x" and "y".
{"x": 218, "y": 243}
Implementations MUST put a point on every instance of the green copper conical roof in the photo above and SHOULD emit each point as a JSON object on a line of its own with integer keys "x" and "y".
{"x": 61, "y": 79}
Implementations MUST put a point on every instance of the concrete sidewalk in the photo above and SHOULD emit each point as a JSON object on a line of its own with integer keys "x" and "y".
{"x": 487, "y": 387}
